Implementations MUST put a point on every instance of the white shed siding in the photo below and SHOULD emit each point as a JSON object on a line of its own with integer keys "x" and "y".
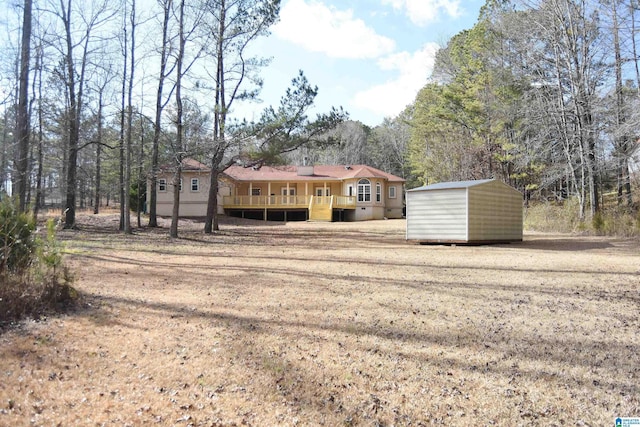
{"x": 437, "y": 215}
{"x": 495, "y": 212}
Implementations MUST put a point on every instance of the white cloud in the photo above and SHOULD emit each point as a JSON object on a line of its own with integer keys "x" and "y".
{"x": 422, "y": 12}
{"x": 336, "y": 33}
{"x": 390, "y": 98}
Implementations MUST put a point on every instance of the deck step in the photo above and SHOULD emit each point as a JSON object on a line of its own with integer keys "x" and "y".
{"x": 321, "y": 213}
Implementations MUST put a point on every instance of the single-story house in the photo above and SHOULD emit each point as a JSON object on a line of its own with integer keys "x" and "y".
{"x": 318, "y": 192}
{"x": 481, "y": 211}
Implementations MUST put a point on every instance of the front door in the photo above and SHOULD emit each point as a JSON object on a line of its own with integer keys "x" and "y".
{"x": 287, "y": 197}
{"x": 321, "y": 190}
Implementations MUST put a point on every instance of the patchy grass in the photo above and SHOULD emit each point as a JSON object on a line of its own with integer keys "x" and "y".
{"x": 331, "y": 324}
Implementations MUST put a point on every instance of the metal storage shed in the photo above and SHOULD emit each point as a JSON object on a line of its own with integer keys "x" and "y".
{"x": 482, "y": 211}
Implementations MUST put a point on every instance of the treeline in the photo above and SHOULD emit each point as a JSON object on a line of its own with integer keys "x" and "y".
{"x": 543, "y": 94}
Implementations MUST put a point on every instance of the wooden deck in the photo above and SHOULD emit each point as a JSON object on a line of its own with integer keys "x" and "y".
{"x": 319, "y": 208}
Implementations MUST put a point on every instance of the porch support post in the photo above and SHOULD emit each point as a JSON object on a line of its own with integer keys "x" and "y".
{"x": 269, "y": 193}
{"x": 251, "y": 193}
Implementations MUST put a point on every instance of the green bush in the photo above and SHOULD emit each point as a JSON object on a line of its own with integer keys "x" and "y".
{"x": 137, "y": 194}
{"x": 33, "y": 278}
{"x": 17, "y": 243}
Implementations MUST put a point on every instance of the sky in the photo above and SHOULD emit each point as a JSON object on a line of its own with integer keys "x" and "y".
{"x": 369, "y": 56}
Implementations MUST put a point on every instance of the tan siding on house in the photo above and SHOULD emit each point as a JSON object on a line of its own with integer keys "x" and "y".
{"x": 437, "y": 215}
{"x": 192, "y": 203}
{"x": 393, "y": 206}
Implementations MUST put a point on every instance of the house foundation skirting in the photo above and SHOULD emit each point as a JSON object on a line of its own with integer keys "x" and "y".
{"x": 286, "y": 215}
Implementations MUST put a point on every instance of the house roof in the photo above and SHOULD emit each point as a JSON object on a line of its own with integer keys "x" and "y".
{"x": 452, "y": 185}
{"x": 188, "y": 165}
{"x": 193, "y": 165}
{"x": 320, "y": 173}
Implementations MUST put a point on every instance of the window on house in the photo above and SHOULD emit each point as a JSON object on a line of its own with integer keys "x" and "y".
{"x": 364, "y": 190}
{"x": 162, "y": 184}
{"x": 321, "y": 190}
{"x": 350, "y": 191}
{"x": 392, "y": 192}
{"x": 180, "y": 184}
{"x": 292, "y": 191}
{"x": 378, "y": 192}
{"x": 195, "y": 184}
{"x": 255, "y": 191}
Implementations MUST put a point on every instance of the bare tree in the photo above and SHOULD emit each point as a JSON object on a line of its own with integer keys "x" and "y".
{"x": 75, "y": 80}
{"x": 233, "y": 33}
{"x": 101, "y": 82}
{"x": 127, "y": 158}
{"x": 621, "y": 135}
{"x": 177, "y": 176}
{"x": 564, "y": 55}
{"x": 23, "y": 122}
{"x": 167, "y": 6}
{"x": 37, "y": 94}
{"x": 391, "y": 139}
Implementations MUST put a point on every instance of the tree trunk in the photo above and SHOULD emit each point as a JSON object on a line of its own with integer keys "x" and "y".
{"x": 127, "y": 172}
{"x": 211, "y": 223}
{"x": 157, "y": 129}
{"x": 179, "y": 127}
{"x": 140, "y": 175}
{"x": 39, "y": 195}
{"x": 123, "y": 191}
{"x": 74, "y": 120}
{"x": 175, "y": 213}
{"x": 22, "y": 130}
{"x": 96, "y": 207}
{"x": 621, "y": 140}
{"x": 3, "y": 154}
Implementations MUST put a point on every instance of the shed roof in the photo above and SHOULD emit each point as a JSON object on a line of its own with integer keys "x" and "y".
{"x": 452, "y": 185}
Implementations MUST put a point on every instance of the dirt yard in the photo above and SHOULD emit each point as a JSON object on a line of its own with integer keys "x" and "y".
{"x": 266, "y": 324}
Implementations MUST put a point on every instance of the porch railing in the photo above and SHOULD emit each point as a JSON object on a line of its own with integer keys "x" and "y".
{"x": 248, "y": 202}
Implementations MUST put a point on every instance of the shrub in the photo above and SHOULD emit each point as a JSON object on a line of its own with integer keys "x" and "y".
{"x": 563, "y": 218}
{"x": 597, "y": 222}
{"x": 137, "y": 194}
{"x": 553, "y": 217}
{"x": 620, "y": 221}
{"x": 33, "y": 278}
{"x": 16, "y": 237}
